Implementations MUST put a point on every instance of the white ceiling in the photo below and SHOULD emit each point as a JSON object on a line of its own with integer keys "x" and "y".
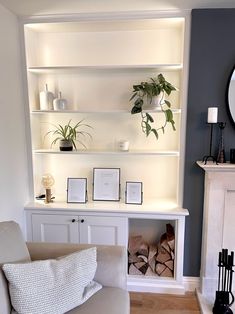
{"x": 45, "y": 7}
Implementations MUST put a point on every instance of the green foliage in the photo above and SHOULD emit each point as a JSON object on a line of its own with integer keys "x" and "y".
{"x": 71, "y": 133}
{"x": 144, "y": 92}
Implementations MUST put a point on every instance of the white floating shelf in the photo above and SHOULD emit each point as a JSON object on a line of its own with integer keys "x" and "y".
{"x": 51, "y": 69}
{"x": 97, "y": 112}
{"x": 109, "y": 152}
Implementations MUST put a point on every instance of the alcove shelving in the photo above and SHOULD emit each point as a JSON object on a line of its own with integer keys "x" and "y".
{"x": 94, "y": 64}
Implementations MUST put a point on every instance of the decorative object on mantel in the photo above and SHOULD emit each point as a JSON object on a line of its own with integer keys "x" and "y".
{"x": 221, "y": 152}
{"x": 152, "y": 260}
{"x": 232, "y": 155}
{"x": 145, "y": 94}
{"x": 224, "y": 292}
{"x": 47, "y": 182}
{"x": 67, "y": 135}
{"x": 46, "y": 99}
{"x": 59, "y": 103}
{"x": 212, "y": 117}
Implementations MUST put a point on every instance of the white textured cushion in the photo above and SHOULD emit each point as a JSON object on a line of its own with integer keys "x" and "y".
{"x": 52, "y": 286}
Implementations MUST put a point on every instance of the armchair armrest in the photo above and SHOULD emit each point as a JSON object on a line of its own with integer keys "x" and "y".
{"x": 111, "y": 260}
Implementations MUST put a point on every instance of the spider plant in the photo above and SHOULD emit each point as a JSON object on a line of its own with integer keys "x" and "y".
{"x": 70, "y": 134}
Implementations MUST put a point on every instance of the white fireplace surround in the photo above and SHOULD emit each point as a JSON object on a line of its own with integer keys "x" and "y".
{"x": 218, "y": 227}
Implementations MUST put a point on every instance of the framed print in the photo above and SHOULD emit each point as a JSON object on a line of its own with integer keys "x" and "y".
{"x": 134, "y": 193}
{"x": 106, "y": 184}
{"x": 76, "y": 190}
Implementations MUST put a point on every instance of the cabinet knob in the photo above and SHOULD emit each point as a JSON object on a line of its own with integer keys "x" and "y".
{"x": 81, "y": 220}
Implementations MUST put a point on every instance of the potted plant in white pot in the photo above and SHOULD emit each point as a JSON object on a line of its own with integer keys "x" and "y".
{"x": 67, "y": 135}
{"x": 151, "y": 95}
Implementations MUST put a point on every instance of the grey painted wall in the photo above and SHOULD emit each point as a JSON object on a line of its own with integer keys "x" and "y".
{"x": 212, "y": 57}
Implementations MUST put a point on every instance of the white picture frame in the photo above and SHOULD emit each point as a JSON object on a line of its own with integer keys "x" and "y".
{"x": 134, "y": 193}
{"x": 76, "y": 190}
{"x": 106, "y": 184}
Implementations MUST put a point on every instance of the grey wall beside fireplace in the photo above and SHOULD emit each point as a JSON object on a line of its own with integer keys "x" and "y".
{"x": 212, "y": 57}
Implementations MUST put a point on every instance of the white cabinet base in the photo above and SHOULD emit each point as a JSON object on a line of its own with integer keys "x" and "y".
{"x": 110, "y": 224}
{"x": 104, "y": 230}
{"x": 51, "y": 228}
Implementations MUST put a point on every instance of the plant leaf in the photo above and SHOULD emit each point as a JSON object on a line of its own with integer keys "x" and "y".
{"x": 136, "y": 109}
{"x": 155, "y": 133}
{"x": 167, "y": 103}
{"x": 133, "y": 96}
{"x": 169, "y": 115}
{"x": 149, "y": 118}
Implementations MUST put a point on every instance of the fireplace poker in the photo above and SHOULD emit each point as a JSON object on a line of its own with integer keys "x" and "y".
{"x": 219, "y": 265}
{"x": 231, "y": 260}
{"x": 224, "y": 293}
{"x": 225, "y": 259}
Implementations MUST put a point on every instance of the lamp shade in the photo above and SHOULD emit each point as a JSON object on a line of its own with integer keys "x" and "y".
{"x": 47, "y": 181}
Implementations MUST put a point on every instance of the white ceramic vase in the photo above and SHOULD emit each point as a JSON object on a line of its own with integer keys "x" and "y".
{"x": 59, "y": 103}
{"x": 46, "y": 99}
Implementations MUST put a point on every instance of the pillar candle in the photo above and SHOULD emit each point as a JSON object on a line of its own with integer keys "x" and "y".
{"x": 212, "y": 116}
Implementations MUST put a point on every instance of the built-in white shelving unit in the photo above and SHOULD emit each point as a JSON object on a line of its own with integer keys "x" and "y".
{"x": 94, "y": 64}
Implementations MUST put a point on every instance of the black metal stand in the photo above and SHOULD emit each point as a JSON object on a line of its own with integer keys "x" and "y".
{"x": 207, "y": 157}
{"x": 221, "y": 151}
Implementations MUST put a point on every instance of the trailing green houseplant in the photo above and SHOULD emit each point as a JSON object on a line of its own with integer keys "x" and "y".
{"x": 144, "y": 94}
{"x": 68, "y": 135}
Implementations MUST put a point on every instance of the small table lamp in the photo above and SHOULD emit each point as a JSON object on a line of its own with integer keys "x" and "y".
{"x": 47, "y": 182}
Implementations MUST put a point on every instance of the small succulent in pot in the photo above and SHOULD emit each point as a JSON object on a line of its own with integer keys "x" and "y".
{"x": 67, "y": 135}
{"x": 145, "y": 94}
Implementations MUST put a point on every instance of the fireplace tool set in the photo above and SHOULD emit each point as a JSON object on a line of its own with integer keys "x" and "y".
{"x": 224, "y": 292}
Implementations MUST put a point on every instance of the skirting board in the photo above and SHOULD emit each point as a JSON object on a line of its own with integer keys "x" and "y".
{"x": 165, "y": 286}
{"x": 205, "y": 305}
{"x": 191, "y": 283}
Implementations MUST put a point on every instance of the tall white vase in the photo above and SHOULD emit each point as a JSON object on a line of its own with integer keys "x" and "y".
{"x": 46, "y": 99}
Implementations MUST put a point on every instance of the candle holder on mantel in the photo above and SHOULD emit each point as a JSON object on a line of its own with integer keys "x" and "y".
{"x": 210, "y": 156}
{"x": 211, "y": 120}
{"x": 221, "y": 152}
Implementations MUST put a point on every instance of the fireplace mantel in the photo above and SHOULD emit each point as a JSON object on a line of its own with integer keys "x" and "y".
{"x": 218, "y": 226}
{"x": 213, "y": 167}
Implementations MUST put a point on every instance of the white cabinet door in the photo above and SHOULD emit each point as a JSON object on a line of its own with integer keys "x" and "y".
{"x": 104, "y": 230}
{"x": 55, "y": 228}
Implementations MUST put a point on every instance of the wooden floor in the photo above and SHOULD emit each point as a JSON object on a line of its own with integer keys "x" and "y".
{"x": 151, "y": 303}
